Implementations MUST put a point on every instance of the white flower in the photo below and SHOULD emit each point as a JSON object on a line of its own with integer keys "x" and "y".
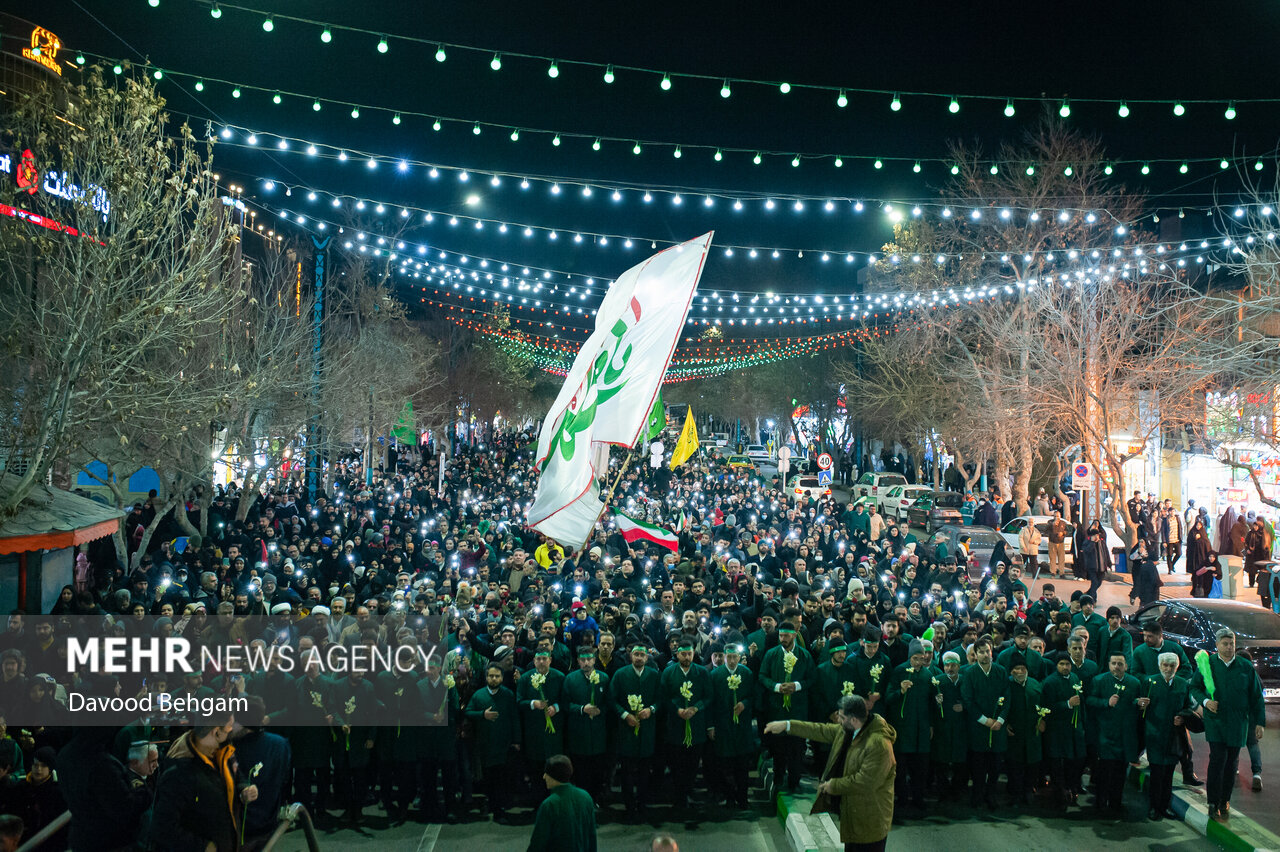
{"x": 876, "y": 670}
{"x": 734, "y": 682}
{"x": 635, "y": 702}
{"x": 537, "y": 679}
{"x": 594, "y": 678}
{"x": 350, "y": 706}
{"x": 686, "y": 691}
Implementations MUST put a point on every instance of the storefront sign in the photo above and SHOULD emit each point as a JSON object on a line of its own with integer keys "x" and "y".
{"x": 27, "y": 177}
{"x": 44, "y": 50}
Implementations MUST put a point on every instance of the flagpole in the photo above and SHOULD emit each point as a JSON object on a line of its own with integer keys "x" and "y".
{"x": 618, "y": 479}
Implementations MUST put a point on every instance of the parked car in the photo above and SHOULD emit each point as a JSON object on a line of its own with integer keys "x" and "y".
{"x": 807, "y": 486}
{"x": 739, "y": 462}
{"x": 1011, "y": 530}
{"x": 874, "y": 487}
{"x": 899, "y": 497}
{"x": 982, "y": 542}
{"x": 1191, "y": 622}
{"x": 758, "y": 453}
{"x": 934, "y": 509}
{"x": 719, "y": 439}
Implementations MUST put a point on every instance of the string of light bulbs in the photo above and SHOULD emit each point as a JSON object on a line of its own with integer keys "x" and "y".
{"x": 425, "y": 217}
{"x": 666, "y": 79}
{"x": 245, "y": 137}
{"x": 717, "y": 152}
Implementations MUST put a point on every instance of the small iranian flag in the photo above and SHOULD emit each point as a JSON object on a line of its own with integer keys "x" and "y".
{"x": 633, "y": 530}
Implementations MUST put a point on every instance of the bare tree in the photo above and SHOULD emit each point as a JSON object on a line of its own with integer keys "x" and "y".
{"x": 90, "y": 310}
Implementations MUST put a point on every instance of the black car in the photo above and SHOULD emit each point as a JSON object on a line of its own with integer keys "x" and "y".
{"x": 1192, "y": 622}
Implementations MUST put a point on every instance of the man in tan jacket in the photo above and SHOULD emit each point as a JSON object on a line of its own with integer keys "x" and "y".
{"x": 857, "y": 782}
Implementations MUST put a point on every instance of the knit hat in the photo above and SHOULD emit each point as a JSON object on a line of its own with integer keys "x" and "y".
{"x": 916, "y": 647}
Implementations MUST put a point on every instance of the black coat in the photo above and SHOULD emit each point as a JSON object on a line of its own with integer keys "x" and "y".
{"x": 105, "y": 808}
{"x": 192, "y": 808}
{"x": 1146, "y": 581}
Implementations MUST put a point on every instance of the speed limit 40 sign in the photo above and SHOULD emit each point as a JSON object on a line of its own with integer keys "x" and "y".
{"x": 824, "y": 461}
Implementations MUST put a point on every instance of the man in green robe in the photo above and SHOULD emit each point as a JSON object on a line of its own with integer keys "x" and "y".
{"x": 950, "y": 746}
{"x": 538, "y": 697}
{"x": 1063, "y": 693}
{"x": 1113, "y": 638}
{"x": 353, "y": 745}
{"x": 586, "y": 694}
{"x": 733, "y": 728}
{"x": 439, "y": 747}
{"x": 1230, "y": 691}
{"x": 497, "y": 724}
{"x": 984, "y": 689}
{"x": 834, "y": 681}
{"x": 399, "y": 738}
{"x": 786, "y": 680}
{"x": 1146, "y": 662}
{"x": 910, "y": 701}
{"x": 566, "y": 820}
{"x": 686, "y": 696}
{"x": 870, "y": 667}
{"x": 1025, "y": 726}
{"x": 1094, "y": 623}
{"x": 636, "y": 694}
{"x": 1113, "y": 701}
{"x": 1021, "y": 639}
{"x": 1163, "y": 697}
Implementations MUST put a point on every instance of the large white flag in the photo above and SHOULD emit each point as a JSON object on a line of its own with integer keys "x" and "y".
{"x": 610, "y": 389}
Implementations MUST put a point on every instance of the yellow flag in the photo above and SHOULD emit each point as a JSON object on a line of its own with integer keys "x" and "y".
{"x": 688, "y": 443}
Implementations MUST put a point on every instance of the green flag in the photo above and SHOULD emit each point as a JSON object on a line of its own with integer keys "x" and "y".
{"x": 657, "y": 419}
{"x": 404, "y": 429}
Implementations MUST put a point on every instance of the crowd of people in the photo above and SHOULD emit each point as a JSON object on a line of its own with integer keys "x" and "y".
{"x": 781, "y": 625}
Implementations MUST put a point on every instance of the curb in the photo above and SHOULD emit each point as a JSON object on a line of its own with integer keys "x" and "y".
{"x": 1238, "y": 834}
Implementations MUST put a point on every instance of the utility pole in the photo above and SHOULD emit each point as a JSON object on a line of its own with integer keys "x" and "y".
{"x": 321, "y": 264}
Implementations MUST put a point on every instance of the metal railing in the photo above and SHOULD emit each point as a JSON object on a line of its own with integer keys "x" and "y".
{"x": 60, "y": 822}
{"x": 290, "y": 815}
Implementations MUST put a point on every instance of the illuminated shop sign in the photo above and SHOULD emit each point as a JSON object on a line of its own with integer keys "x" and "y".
{"x": 44, "y": 50}
{"x": 28, "y": 179}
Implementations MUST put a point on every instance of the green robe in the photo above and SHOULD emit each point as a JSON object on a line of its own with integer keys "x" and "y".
{"x": 540, "y": 741}
{"x": 1238, "y": 692}
{"x": 586, "y": 735}
{"x": 829, "y": 686}
{"x": 1087, "y": 671}
{"x": 1037, "y": 668}
{"x": 494, "y": 738}
{"x": 1168, "y": 699}
{"x": 673, "y": 727}
{"x": 311, "y": 740}
{"x": 1064, "y": 734}
{"x": 566, "y": 822}
{"x": 863, "y": 683}
{"x": 400, "y": 742}
{"x": 648, "y": 687}
{"x": 773, "y": 672}
{"x": 1095, "y": 624}
{"x": 733, "y": 739}
{"x": 357, "y": 706}
{"x": 909, "y": 712}
{"x": 1146, "y": 660}
{"x": 1022, "y": 722}
{"x": 1118, "y": 725}
{"x": 439, "y": 739}
{"x": 1108, "y": 644}
{"x": 950, "y": 726}
{"x": 761, "y": 640}
{"x": 984, "y": 695}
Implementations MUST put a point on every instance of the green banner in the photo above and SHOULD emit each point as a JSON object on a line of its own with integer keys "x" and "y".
{"x": 657, "y": 419}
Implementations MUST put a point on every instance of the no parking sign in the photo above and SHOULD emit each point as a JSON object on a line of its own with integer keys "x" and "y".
{"x": 1081, "y": 477}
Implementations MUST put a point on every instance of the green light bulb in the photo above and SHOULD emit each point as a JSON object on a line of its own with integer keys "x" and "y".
{"x": 954, "y": 106}
{"x": 1146, "y": 168}
{"x": 1182, "y": 169}
{"x": 785, "y": 88}
{"x": 441, "y": 56}
{"x": 268, "y": 25}
{"x": 666, "y": 82}
{"x": 1179, "y": 109}
{"x": 1222, "y": 164}
{"x": 916, "y": 167}
{"x": 496, "y": 62}
{"x": 1065, "y": 110}
{"x": 199, "y": 85}
{"x": 757, "y": 158}
{"x": 895, "y": 104}
{"x": 879, "y": 164}
{"x": 1123, "y": 112}
{"x": 718, "y": 156}
{"x": 608, "y": 74}
{"x": 595, "y": 146}
{"x": 843, "y": 100}
{"x": 383, "y": 47}
{"x": 636, "y": 149}
{"x": 315, "y": 105}
{"x": 1231, "y": 111}
{"x": 1009, "y": 110}
{"x": 235, "y": 93}
{"x": 553, "y": 70}
{"x": 725, "y": 91}
{"x": 326, "y": 36}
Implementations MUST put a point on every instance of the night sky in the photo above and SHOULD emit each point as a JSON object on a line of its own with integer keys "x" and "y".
{"x": 1118, "y": 51}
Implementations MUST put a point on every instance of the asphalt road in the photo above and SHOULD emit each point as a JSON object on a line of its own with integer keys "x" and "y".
{"x": 951, "y": 827}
